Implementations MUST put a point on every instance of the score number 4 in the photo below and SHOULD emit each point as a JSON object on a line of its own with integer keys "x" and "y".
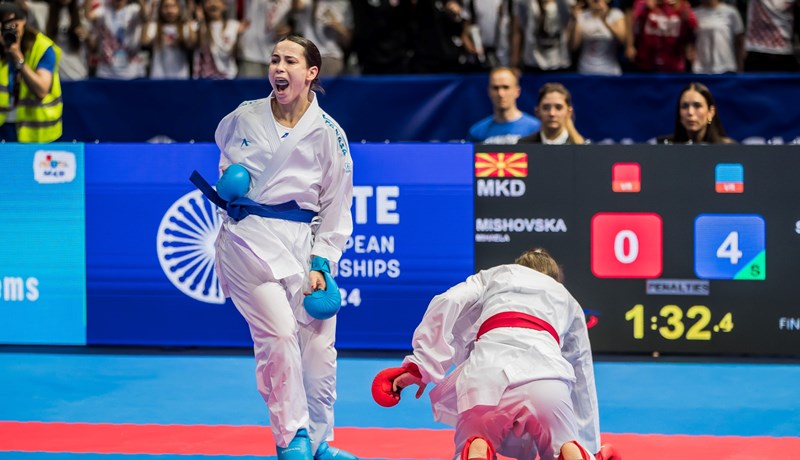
{"x": 669, "y": 322}
{"x": 730, "y": 247}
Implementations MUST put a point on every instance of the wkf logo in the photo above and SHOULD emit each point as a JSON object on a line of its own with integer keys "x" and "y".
{"x": 185, "y": 247}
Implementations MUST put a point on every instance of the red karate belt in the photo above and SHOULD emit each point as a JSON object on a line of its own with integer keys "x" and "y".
{"x": 516, "y": 319}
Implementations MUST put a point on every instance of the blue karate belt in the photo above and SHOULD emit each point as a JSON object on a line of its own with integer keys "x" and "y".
{"x": 242, "y": 207}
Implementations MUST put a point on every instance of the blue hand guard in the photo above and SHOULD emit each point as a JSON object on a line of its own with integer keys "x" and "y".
{"x": 323, "y": 304}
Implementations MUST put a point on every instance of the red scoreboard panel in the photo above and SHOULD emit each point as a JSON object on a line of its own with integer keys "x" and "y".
{"x": 665, "y": 247}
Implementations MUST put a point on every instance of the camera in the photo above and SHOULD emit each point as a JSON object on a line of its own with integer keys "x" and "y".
{"x": 9, "y": 31}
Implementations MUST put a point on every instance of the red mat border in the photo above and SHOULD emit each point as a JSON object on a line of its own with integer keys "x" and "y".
{"x": 388, "y": 443}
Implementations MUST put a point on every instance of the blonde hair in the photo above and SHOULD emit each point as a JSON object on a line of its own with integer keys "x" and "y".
{"x": 541, "y": 261}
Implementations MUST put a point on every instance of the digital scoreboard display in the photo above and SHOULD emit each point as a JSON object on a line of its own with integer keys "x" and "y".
{"x": 665, "y": 247}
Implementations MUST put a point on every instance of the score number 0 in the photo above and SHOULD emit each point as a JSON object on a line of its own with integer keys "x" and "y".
{"x": 627, "y": 245}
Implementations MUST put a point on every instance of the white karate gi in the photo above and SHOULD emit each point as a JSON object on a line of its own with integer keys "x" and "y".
{"x": 515, "y": 387}
{"x": 263, "y": 263}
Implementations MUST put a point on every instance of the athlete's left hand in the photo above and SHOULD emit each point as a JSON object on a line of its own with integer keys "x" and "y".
{"x": 317, "y": 281}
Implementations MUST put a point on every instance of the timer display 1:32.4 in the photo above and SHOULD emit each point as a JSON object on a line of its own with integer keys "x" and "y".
{"x": 672, "y": 323}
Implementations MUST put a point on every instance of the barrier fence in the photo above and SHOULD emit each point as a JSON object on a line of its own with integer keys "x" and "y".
{"x": 754, "y": 108}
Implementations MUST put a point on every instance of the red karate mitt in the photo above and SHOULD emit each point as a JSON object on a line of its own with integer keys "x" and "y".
{"x": 382, "y": 386}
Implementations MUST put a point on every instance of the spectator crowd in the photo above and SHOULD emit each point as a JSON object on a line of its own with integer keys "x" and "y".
{"x": 225, "y": 39}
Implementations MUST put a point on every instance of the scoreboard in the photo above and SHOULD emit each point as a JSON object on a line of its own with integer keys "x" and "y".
{"x": 665, "y": 247}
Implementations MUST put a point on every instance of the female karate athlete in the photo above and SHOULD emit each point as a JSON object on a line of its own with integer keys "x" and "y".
{"x": 523, "y": 382}
{"x": 301, "y": 174}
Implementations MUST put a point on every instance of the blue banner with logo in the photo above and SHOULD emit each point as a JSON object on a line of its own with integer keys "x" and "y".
{"x": 142, "y": 289}
{"x": 412, "y": 239}
{"x": 150, "y": 237}
{"x": 42, "y": 268}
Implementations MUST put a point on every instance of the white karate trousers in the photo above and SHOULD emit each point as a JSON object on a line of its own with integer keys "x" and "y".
{"x": 536, "y": 416}
{"x": 295, "y": 362}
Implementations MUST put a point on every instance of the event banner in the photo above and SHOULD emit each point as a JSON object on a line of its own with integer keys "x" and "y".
{"x": 412, "y": 239}
{"x": 665, "y": 247}
{"x": 150, "y": 244}
{"x": 42, "y": 264}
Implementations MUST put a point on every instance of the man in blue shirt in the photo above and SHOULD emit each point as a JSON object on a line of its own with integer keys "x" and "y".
{"x": 508, "y": 123}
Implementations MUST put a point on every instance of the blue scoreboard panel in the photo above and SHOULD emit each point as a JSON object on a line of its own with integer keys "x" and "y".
{"x": 665, "y": 247}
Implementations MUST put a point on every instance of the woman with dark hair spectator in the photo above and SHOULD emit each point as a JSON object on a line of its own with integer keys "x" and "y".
{"x": 696, "y": 119}
{"x": 554, "y": 109}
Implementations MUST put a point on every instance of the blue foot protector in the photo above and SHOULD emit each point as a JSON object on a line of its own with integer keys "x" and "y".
{"x": 326, "y": 452}
{"x": 299, "y": 447}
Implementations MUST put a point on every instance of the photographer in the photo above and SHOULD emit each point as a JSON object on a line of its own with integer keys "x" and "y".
{"x": 30, "y": 105}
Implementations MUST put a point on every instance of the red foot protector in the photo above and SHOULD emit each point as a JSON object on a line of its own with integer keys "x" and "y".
{"x": 465, "y": 450}
{"x": 584, "y": 455}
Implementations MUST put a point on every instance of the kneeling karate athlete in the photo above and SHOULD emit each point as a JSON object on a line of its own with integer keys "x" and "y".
{"x": 523, "y": 383}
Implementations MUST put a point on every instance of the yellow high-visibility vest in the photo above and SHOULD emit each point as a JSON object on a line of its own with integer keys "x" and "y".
{"x": 38, "y": 121}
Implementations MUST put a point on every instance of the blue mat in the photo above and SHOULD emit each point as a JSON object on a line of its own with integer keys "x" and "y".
{"x": 635, "y": 397}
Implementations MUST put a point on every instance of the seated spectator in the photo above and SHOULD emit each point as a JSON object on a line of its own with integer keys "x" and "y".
{"x": 598, "y": 33}
{"x": 696, "y": 119}
{"x": 31, "y": 108}
{"x": 769, "y": 36}
{"x": 720, "y": 39}
{"x": 664, "y": 34}
{"x": 507, "y": 123}
{"x": 554, "y": 109}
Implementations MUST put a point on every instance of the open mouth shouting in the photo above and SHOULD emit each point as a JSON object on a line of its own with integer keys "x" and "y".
{"x": 281, "y": 85}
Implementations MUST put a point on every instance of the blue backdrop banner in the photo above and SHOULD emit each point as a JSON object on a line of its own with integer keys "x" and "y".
{"x": 42, "y": 265}
{"x": 412, "y": 238}
{"x": 631, "y": 108}
{"x": 150, "y": 241}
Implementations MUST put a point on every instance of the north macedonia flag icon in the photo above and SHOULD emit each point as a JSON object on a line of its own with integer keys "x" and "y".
{"x": 501, "y": 165}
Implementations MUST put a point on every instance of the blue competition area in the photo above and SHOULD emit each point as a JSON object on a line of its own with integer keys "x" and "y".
{"x": 721, "y": 399}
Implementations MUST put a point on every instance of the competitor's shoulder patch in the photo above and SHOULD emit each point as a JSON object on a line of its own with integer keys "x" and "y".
{"x": 244, "y": 103}
{"x": 251, "y": 102}
{"x": 338, "y": 132}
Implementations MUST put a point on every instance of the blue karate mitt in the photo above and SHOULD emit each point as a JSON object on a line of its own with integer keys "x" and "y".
{"x": 323, "y": 304}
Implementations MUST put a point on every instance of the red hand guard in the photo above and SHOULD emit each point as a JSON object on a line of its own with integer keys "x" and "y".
{"x": 382, "y": 391}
